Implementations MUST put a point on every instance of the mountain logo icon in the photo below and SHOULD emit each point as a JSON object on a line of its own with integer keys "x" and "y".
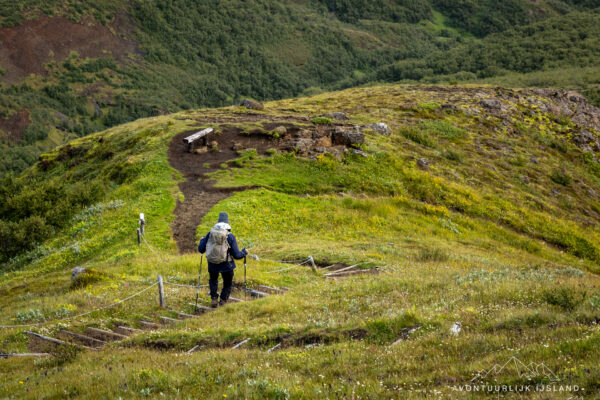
{"x": 527, "y": 371}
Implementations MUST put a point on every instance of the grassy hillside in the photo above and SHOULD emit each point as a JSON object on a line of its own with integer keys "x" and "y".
{"x": 499, "y": 233}
{"x": 127, "y": 60}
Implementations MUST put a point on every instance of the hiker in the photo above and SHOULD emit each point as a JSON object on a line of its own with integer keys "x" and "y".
{"x": 221, "y": 249}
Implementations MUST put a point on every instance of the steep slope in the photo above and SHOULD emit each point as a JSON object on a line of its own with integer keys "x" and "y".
{"x": 480, "y": 207}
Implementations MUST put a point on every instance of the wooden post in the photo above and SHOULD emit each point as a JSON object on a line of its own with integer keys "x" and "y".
{"x": 161, "y": 293}
{"x": 312, "y": 263}
{"x": 139, "y": 235}
{"x": 142, "y": 223}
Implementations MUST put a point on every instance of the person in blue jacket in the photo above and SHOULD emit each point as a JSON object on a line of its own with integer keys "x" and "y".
{"x": 225, "y": 268}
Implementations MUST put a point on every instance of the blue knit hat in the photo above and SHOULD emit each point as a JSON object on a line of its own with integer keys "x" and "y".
{"x": 223, "y": 217}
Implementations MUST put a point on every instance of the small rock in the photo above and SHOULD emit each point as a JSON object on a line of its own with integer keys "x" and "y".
{"x": 359, "y": 153}
{"x": 282, "y": 130}
{"x": 525, "y": 179}
{"x": 555, "y": 192}
{"x": 456, "y": 328}
{"x": 77, "y": 272}
{"x": 301, "y": 145}
{"x": 237, "y": 147}
{"x": 214, "y": 145}
{"x": 381, "y": 128}
{"x": 254, "y": 257}
{"x": 252, "y": 104}
{"x": 340, "y": 116}
{"x": 491, "y": 104}
{"x": 534, "y": 160}
{"x": 423, "y": 163}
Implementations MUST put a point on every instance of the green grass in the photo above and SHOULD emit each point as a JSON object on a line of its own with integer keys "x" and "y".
{"x": 465, "y": 241}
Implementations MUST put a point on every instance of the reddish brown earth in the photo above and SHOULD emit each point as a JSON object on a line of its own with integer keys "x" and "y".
{"x": 14, "y": 126}
{"x": 26, "y": 48}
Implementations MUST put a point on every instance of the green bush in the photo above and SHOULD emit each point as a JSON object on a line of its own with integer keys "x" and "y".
{"x": 443, "y": 129}
{"x": 418, "y": 136}
{"x": 560, "y": 177}
{"x": 321, "y": 121}
{"x": 565, "y": 298}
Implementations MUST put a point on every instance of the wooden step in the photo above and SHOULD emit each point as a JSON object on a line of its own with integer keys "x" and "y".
{"x": 183, "y": 315}
{"x": 48, "y": 344}
{"x": 257, "y": 294}
{"x": 107, "y": 336}
{"x": 353, "y": 272}
{"x": 338, "y": 271}
{"x": 167, "y": 320}
{"x": 148, "y": 325}
{"x": 271, "y": 290}
{"x": 23, "y": 355}
{"x": 81, "y": 339}
{"x": 126, "y": 330}
{"x": 200, "y": 309}
{"x": 234, "y": 300}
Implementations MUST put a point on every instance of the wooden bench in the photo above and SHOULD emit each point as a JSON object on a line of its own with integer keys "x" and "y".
{"x": 203, "y": 134}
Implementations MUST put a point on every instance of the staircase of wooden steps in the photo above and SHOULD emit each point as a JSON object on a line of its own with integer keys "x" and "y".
{"x": 93, "y": 338}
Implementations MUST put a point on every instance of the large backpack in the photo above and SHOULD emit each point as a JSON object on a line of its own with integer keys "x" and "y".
{"x": 217, "y": 248}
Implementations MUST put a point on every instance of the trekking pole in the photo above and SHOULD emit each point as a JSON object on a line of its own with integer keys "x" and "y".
{"x": 198, "y": 288}
{"x": 245, "y": 284}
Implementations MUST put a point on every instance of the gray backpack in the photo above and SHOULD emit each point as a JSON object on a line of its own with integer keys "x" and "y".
{"x": 217, "y": 248}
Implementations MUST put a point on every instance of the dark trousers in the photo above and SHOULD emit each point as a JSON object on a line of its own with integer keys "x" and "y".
{"x": 213, "y": 283}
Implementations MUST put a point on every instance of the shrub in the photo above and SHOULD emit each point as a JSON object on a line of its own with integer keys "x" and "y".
{"x": 560, "y": 177}
{"x": 452, "y": 155}
{"x": 565, "y": 298}
{"x": 432, "y": 255}
{"x": 443, "y": 129}
{"x": 418, "y": 136}
{"x": 321, "y": 121}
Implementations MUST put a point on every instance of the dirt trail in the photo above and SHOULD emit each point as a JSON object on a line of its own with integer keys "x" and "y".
{"x": 199, "y": 192}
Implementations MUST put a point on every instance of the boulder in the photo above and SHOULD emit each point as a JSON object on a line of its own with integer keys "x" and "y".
{"x": 491, "y": 104}
{"x": 348, "y": 136}
{"x": 252, "y": 104}
{"x": 381, "y": 128}
{"x": 300, "y": 145}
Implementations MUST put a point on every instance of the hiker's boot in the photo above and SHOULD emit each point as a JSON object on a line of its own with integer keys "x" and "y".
{"x": 214, "y": 302}
{"x": 222, "y": 302}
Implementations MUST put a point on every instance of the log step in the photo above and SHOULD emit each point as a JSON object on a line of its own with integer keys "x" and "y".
{"x": 234, "y": 300}
{"x": 357, "y": 272}
{"x": 107, "y": 336}
{"x": 257, "y": 294}
{"x": 48, "y": 344}
{"x": 23, "y": 355}
{"x": 270, "y": 290}
{"x": 81, "y": 339}
{"x": 148, "y": 325}
{"x": 181, "y": 315}
{"x": 167, "y": 320}
{"x": 125, "y": 330}
{"x": 200, "y": 309}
